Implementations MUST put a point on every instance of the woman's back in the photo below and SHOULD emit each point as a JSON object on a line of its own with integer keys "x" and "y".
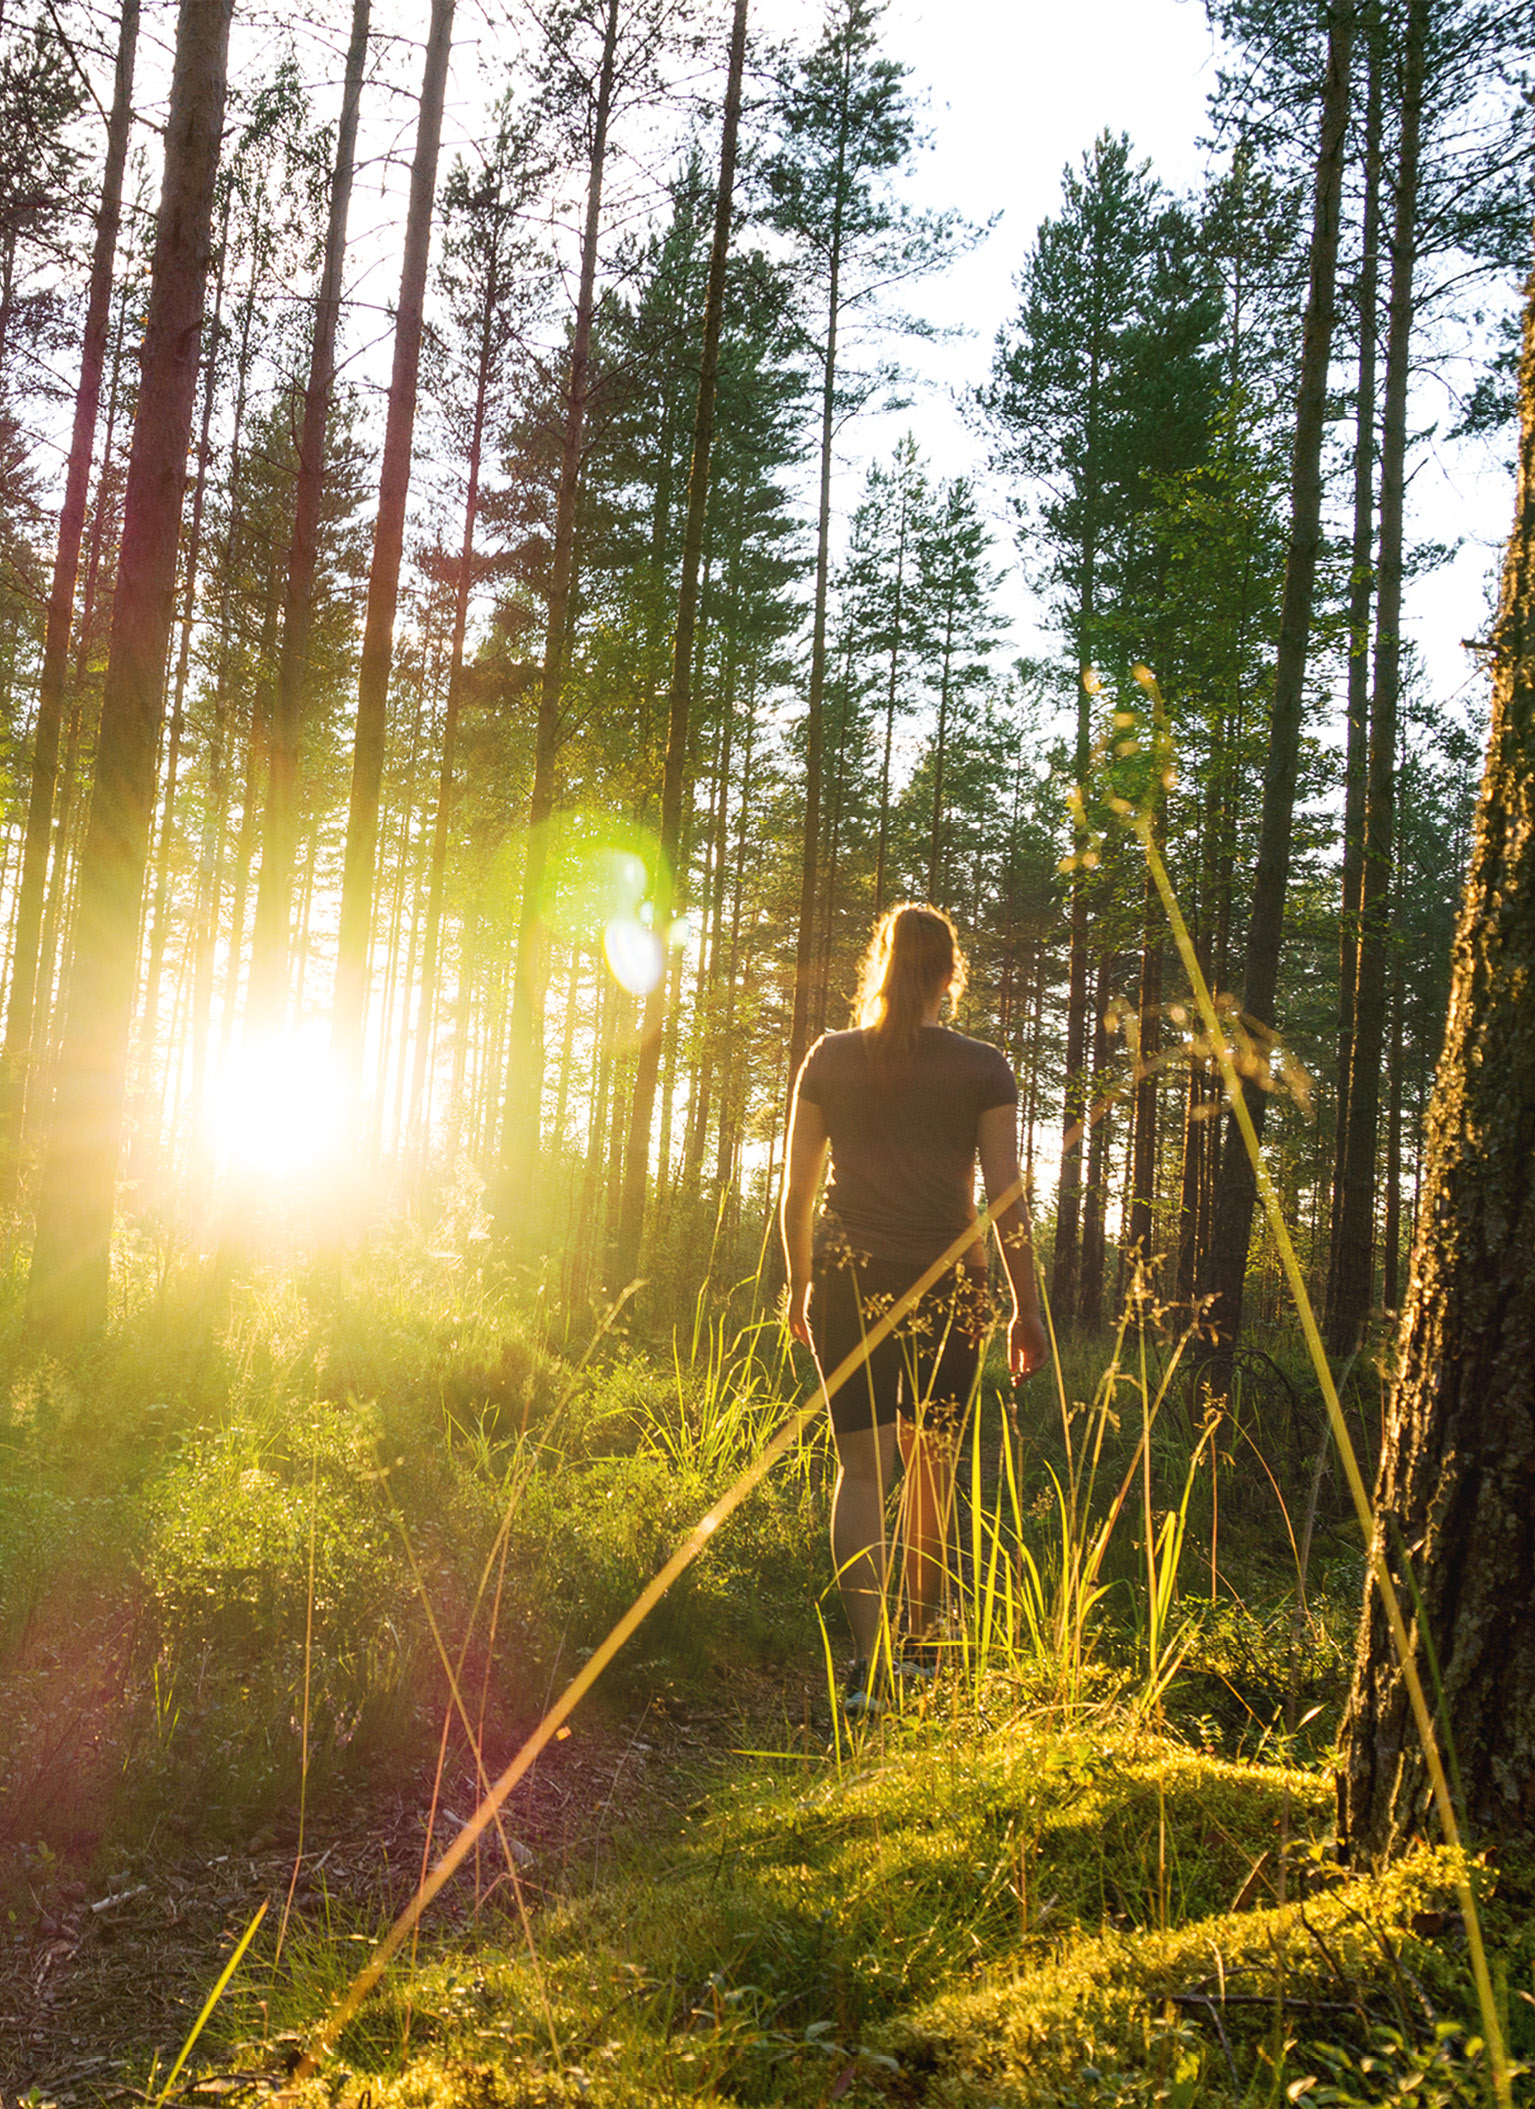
{"x": 902, "y": 1181}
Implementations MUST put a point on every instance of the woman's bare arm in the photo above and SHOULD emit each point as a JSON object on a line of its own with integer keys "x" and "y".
{"x": 1028, "y": 1347}
{"x": 802, "y": 1183}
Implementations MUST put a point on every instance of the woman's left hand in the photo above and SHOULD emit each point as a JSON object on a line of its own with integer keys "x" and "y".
{"x": 797, "y": 1317}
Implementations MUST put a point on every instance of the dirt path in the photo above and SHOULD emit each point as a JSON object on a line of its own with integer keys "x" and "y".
{"x": 104, "y": 1979}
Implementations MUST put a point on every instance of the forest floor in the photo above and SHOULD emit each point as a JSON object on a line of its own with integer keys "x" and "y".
{"x": 246, "y": 1550}
{"x": 101, "y": 1979}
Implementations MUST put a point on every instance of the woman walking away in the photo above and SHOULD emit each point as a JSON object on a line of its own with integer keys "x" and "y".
{"x": 904, "y": 1105}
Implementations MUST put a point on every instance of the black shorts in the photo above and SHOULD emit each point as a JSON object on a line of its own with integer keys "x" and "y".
{"x": 926, "y": 1370}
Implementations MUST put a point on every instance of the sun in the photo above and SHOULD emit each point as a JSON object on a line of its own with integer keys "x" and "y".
{"x": 278, "y": 1113}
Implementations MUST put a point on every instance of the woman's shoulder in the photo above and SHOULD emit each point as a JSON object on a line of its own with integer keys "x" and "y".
{"x": 832, "y": 1057}
{"x": 835, "y": 1050}
{"x": 957, "y": 1054}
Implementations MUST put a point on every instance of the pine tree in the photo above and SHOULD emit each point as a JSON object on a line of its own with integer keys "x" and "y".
{"x": 70, "y": 1259}
{"x": 846, "y": 126}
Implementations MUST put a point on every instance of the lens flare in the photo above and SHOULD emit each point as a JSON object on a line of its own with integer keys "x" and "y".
{"x": 278, "y": 1112}
{"x": 635, "y": 953}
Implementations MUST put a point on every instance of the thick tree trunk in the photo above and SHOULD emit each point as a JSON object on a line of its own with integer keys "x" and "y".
{"x": 359, "y": 870}
{"x": 269, "y": 938}
{"x": 1355, "y": 1242}
{"x": 631, "y": 1219}
{"x": 1456, "y": 1494}
{"x": 67, "y": 1288}
{"x": 15, "y": 1058}
{"x": 523, "y": 1117}
{"x": 1236, "y": 1194}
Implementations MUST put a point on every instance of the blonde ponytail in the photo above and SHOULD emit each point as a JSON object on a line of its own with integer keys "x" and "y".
{"x": 914, "y": 951}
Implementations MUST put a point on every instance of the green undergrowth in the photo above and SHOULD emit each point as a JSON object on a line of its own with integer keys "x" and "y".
{"x": 251, "y": 1539}
{"x": 970, "y": 1908}
{"x": 261, "y": 1521}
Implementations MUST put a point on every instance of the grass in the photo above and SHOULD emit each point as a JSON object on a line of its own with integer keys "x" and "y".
{"x": 247, "y": 1553}
{"x": 977, "y": 1909}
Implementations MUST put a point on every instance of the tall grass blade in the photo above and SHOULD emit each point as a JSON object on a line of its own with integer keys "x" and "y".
{"x": 210, "y": 2003}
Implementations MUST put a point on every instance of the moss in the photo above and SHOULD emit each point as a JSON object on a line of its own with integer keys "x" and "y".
{"x": 1036, "y": 1914}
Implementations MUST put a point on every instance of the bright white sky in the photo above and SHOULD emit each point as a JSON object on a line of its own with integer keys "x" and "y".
{"x": 1013, "y": 93}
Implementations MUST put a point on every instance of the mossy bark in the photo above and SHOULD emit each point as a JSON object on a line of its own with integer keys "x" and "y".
{"x": 1456, "y": 1495}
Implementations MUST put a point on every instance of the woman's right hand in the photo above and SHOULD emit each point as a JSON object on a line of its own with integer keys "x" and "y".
{"x": 797, "y": 1316}
{"x": 1028, "y": 1345}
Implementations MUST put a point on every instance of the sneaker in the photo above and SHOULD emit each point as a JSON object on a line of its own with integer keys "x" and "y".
{"x": 861, "y": 1698}
{"x": 917, "y": 1662}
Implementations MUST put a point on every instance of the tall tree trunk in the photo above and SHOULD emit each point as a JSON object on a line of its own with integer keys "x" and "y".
{"x": 524, "y": 1107}
{"x": 66, "y": 832}
{"x": 359, "y": 869}
{"x": 67, "y": 1289}
{"x": 804, "y": 1005}
{"x": 426, "y": 1010}
{"x": 1237, "y": 1191}
{"x": 15, "y": 1057}
{"x": 1068, "y": 1199}
{"x": 1143, "y": 1163}
{"x": 146, "y": 1139}
{"x": 1361, "y": 595}
{"x": 1089, "y": 1313}
{"x": 1456, "y": 1492}
{"x": 631, "y": 1219}
{"x": 269, "y": 939}
{"x": 1354, "y": 1279}
{"x": 940, "y": 756}
{"x": 1391, "y": 1251}
{"x": 897, "y": 639}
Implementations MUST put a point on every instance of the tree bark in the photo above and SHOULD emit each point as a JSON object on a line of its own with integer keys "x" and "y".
{"x": 15, "y": 1058}
{"x": 892, "y": 680}
{"x": 523, "y": 1116}
{"x": 269, "y": 937}
{"x": 67, "y": 1288}
{"x": 1236, "y": 1194}
{"x": 1089, "y": 1312}
{"x": 418, "y": 1125}
{"x": 631, "y": 1219}
{"x": 360, "y": 866}
{"x": 146, "y": 1137}
{"x": 1143, "y": 1171}
{"x": 1354, "y": 1276}
{"x": 1456, "y": 1493}
{"x": 1361, "y": 595}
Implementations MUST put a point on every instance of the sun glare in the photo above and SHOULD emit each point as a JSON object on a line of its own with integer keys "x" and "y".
{"x": 278, "y": 1113}
{"x": 635, "y": 953}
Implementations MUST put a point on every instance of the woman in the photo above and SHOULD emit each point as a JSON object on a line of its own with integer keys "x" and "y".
{"x": 904, "y": 1105}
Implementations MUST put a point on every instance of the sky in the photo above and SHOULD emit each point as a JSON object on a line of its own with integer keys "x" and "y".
{"x": 1014, "y": 92}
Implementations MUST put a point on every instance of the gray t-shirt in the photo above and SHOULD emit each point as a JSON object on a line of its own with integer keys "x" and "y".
{"x": 902, "y": 1180}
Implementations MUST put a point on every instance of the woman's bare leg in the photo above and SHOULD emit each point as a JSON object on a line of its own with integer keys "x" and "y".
{"x": 867, "y": 1459}
{"x": 927, "y": 1506}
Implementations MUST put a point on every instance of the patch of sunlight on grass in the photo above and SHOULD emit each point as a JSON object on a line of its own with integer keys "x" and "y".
{"x": 1027, "y": 1912}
